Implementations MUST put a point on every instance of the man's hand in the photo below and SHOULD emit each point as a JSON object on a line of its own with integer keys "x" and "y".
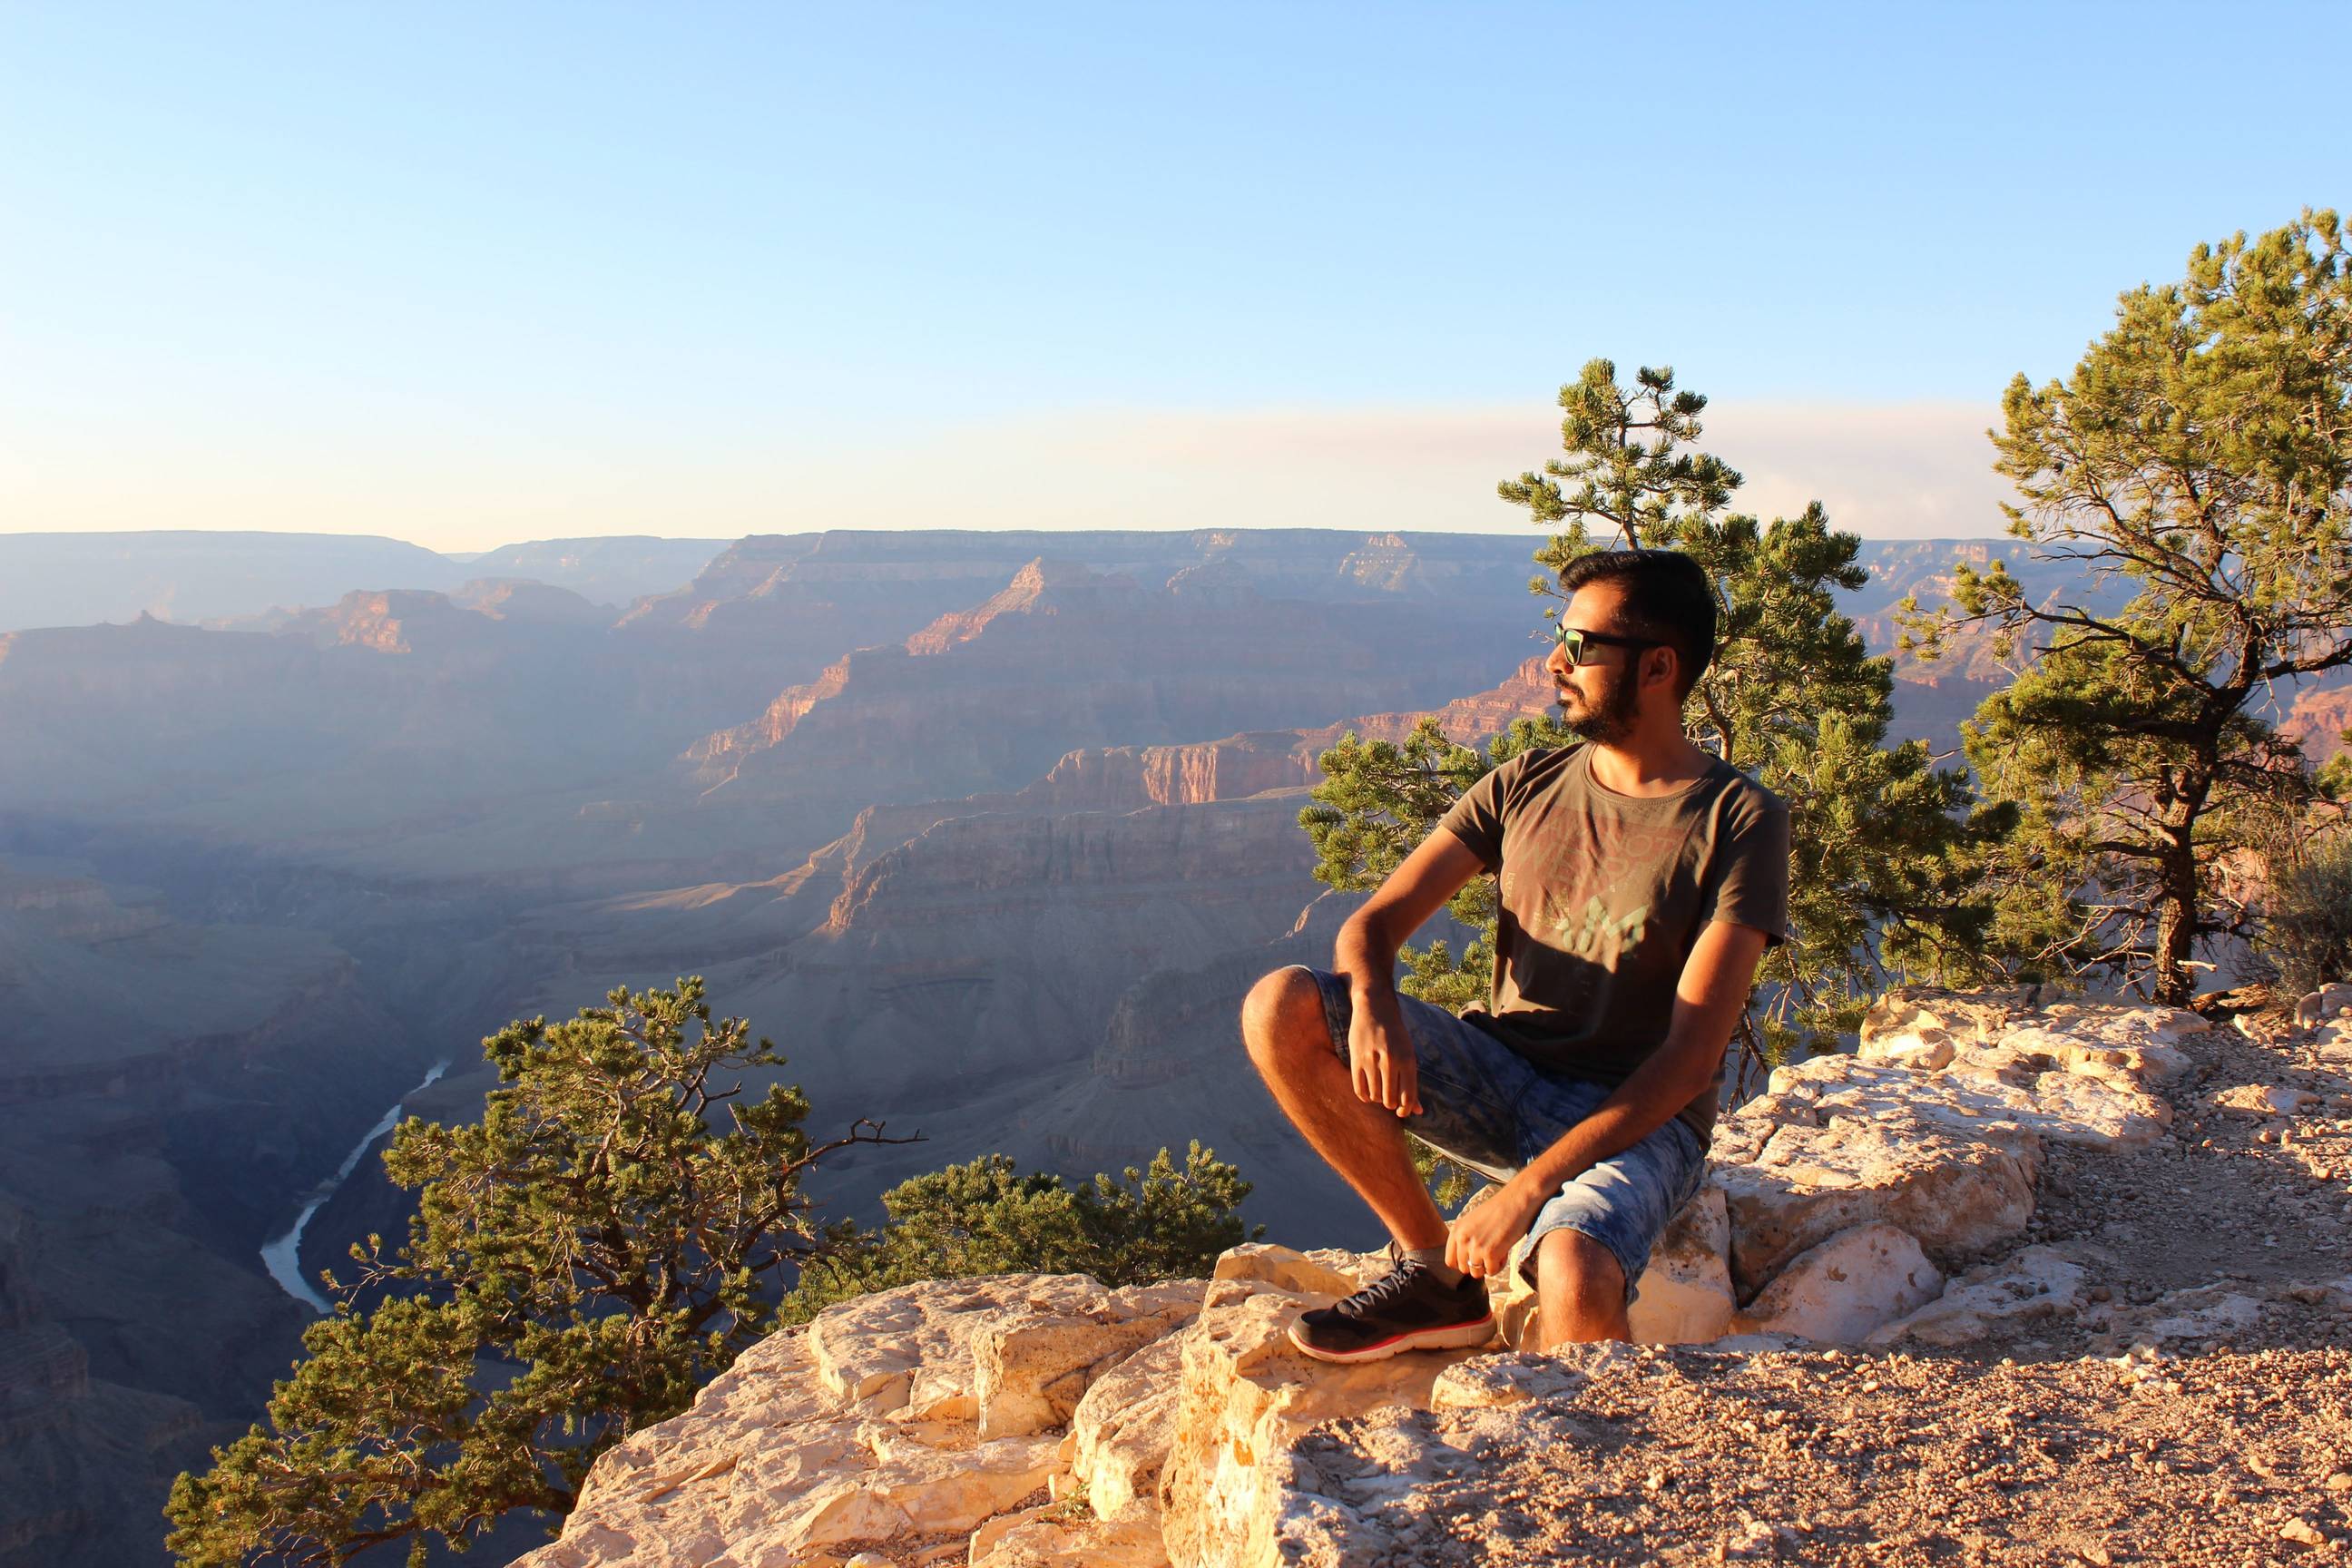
{"x": 1380, "y": 1056}
{"x": 1480, "y": 1242}
{"x": 1380, "y": 1051}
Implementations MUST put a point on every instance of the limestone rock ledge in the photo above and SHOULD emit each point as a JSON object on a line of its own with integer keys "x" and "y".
{"x": 1028, "y": 1421}
{"x": 920, "y": 1414}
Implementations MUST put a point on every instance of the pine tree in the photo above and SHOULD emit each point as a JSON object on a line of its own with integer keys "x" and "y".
{"x": 2199, "y": 454}
{"x": 609, "y": 1237}
{"x": 1887, "y": 849}
{"x": 622, "y": 1223}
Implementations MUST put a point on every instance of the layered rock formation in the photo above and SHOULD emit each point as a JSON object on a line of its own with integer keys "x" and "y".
{"x": 2320, "y": 718}
{"x": 1051, "y": 972}
{"x": 985, "y": 699}
{"x": 1925, "y": 568}
{"x": 1129, "y": 778}
{"x": 866, "y": 572}
{"x": 1033, "y": 1421}
{"x": 343, "y": 724}
{"x": 960, "y": 982}
{"x": 785, "y": 606}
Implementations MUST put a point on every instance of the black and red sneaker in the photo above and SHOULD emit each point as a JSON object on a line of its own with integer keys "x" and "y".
{"x": 1406, "y": 1309}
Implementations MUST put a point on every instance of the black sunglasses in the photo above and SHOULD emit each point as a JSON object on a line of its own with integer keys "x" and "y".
{"x": 1578, "y": 643}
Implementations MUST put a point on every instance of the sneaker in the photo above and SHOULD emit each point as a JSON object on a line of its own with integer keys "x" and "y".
{"x": 1407, "y": 1309}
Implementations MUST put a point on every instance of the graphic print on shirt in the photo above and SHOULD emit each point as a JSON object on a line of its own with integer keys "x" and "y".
{"x": 1584, "y": 885}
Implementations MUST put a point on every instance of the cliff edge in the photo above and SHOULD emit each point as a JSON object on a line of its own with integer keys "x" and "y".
{"x": 2020, "y": 1280}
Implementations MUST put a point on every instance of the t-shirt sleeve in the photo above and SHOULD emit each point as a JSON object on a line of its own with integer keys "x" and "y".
{"x": 1748, "y": 882}
{"x": 1476, "y": 818}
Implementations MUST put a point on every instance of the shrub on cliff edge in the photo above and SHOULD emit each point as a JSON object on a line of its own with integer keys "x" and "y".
{"x": 608, "y": 1237}
{"x": 622, "y": 1223}
{"x": 2307, "y": 926}
{"x": 1161, "y": 1222}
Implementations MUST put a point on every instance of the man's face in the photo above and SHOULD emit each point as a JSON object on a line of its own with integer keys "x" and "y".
{"x": 1598, "y": 701}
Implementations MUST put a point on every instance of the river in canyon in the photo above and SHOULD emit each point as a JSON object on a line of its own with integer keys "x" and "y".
{"x": 283, "y": 1256}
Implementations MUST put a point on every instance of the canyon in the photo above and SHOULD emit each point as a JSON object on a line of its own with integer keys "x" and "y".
{"x": 989, "y": 831}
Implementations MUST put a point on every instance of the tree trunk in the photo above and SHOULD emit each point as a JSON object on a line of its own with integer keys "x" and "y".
{"x": 2176, "y": 919}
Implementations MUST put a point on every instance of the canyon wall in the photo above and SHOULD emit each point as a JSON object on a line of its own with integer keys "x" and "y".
{"x": 164, "y": 1086}
{"x": 1066, "y": 656}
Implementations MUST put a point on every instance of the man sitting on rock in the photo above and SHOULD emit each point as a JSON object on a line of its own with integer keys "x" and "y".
{"x": 1641, "y": 879}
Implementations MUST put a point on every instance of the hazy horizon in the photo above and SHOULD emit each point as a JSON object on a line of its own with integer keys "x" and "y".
{"x": 1906, "y": 471}
{"x": 466, "y": 276}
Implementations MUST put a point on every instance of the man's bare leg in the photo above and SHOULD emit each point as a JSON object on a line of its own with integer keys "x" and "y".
{"x": 1580, "y": 1291}
{"x": 1282, "y": 1024}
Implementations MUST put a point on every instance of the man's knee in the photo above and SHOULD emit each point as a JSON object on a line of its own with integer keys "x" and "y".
{"x": 1281, "y": 1017}
{"x": 1573, "y": 1268}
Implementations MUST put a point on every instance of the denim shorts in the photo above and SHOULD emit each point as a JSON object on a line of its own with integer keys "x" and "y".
{"x": 1487, "y": 1107}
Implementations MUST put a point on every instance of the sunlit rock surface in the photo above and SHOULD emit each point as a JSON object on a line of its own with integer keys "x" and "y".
{"x": 1047, "y": 1420}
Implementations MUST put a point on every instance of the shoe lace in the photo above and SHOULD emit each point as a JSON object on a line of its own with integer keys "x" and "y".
{"x": 1404, "y": 1272}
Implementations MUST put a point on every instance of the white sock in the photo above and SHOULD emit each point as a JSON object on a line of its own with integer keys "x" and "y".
{"x": 1434, "y": 1259}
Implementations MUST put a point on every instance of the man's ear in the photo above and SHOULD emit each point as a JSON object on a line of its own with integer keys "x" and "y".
{"x": 1662, "y": 662}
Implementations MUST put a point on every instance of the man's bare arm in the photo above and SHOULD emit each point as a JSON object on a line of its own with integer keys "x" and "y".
{"x": 1379, "y": 1050}
{"x": 1708, "y": 1003}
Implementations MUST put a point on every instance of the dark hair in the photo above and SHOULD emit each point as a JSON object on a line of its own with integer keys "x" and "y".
{"x": 1668, "y": 596}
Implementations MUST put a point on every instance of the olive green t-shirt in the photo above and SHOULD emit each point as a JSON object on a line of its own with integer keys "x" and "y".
{"x": 1602, "y": 898}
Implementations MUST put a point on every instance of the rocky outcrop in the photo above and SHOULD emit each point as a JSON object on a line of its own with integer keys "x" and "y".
{"x": 395, "y": 621}
{"x": 1845, "y": 1288}
{"x": 1048, "y": 1420}
{"x": 919, "y": 1414}
{"x": 1687, "y": 1297}
{"x": 1527, "y": 692}
{"x": 2320, "y": 717}
{"x": 526, "y": 602}
{"x": 1121, "y": 778}
{"x": 1936, "y": 1125}
{"x": 2034, "y": 1285}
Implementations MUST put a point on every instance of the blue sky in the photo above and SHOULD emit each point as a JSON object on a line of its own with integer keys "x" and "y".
{"x": 466, "y": 274}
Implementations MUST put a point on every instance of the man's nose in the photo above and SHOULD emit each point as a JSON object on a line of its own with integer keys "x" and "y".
{"x": 1557, "y": 662}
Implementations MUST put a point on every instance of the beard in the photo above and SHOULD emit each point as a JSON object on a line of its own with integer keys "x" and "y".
{"x": 1605, "y": 719}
